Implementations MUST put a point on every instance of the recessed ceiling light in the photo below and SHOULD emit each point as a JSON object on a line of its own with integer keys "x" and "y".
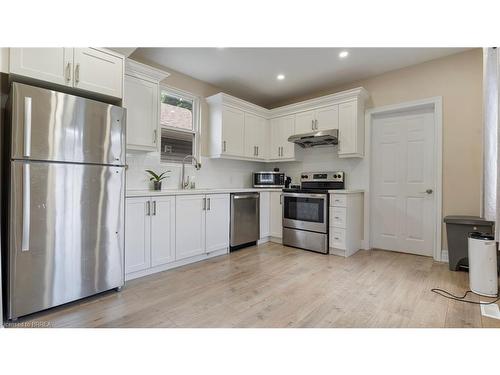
{"x": 343, "y": 54}
{"x": 280, "y": 77}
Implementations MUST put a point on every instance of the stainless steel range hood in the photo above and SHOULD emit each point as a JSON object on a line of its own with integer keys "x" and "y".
{"x": 321, "y": 138}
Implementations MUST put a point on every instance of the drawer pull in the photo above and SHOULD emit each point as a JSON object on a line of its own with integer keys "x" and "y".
{"x": 336, "y": 238}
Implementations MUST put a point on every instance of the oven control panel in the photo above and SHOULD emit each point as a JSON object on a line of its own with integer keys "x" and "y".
{"x": 322, "y": 176}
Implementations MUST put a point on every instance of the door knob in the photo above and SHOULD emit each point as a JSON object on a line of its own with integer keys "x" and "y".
{"x": 428, "y": 191}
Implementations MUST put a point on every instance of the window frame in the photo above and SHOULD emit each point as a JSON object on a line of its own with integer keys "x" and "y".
{"x": 196, "y": 120}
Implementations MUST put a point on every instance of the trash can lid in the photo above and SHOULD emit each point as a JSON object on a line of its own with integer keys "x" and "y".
{"x": 467, "y": 220}
{"x": 481, "y": 236}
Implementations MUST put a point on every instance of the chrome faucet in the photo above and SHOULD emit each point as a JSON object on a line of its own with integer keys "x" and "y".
{"x": 197, "y": 165}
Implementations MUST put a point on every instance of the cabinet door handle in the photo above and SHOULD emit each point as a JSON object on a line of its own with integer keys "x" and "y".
{"x": 68, "y": 72}
{"x": 209, "y": 205}
{"x": 148, "y": 208}
{"x": 204, "y": 204}
{"x": 77, "y": 73}
{"x": 154, "y": 208}
{"x": 224, "y": 146}
{"x": 257, "y": 147}
{"x": 155, "y": 136}
{"x": 281, "y": 198}
{"x": 316, "y": 124}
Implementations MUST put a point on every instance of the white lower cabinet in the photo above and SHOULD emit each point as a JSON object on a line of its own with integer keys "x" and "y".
{"x": 150, "y": 232}
{"x": 137, "y": 234}
{"x": 202, "y": 224}
{"x": 168, "y": 231}
{"x": 346, "y": 223}
{"x": 217, "y": 222}
{"x": 190, "y": 226}
{"x": 275, "y": 216}
{"x": 162, "y": 230}
{"x": 264, "y": 212}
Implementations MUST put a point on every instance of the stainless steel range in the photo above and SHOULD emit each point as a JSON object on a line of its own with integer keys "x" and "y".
{"x": 305, "y": 210}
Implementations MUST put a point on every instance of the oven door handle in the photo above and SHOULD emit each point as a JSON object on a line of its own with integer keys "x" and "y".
{"x": 305, "y": 195}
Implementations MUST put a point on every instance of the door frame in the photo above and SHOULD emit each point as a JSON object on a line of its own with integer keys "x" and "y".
{"x": 436, "y": 104}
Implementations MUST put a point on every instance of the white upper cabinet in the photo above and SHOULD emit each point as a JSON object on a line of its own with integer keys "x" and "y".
{"x": 237, "y": 129}
{"x": 240, "y": 130}
{"x": 324, "y": 118}
{"x": 91, "y": 69}
{"x": 46, "y": 64}
{"x": 141, "y": 100}
{"x": 98, "y": 71}
{"x": 327, "y": 118}
{"x": 141, "y": 97}
{"x": 351, "y": 130}
{"x": 256, "y": 136}
{"x": 281, "y": 129}
{"x": 233, "y": 132}
{"x": 304, "y": 122}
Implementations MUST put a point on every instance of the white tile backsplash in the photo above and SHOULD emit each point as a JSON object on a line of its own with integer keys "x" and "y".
{"x": 223, "y": 173}
{"x": 214, "y": 173}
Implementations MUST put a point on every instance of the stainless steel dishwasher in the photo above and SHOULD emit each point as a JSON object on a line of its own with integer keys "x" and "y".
{"x": 245, "y": 220}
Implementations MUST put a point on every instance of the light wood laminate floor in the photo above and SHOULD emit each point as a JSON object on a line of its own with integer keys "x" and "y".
{"x": 276, "y": 286}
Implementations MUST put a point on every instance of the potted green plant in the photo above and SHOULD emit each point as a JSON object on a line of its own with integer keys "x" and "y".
{"x": 157, "y": 178}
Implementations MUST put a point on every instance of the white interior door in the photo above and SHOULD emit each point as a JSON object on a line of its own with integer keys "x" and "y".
{"x": 403, "y": 182}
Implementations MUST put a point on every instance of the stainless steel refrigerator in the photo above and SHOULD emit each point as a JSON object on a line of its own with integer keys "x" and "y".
{"x": 65, "y": 199}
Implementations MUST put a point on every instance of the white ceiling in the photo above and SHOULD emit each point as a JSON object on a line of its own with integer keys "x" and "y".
{"x": 250, "y": 73}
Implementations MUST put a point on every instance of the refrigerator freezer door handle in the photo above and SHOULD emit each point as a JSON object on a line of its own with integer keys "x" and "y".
{"x": 25, "y": 240}
{"x": 27, "y": 126}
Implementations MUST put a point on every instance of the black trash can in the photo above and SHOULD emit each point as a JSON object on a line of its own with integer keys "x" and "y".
{"x": 458, "y": 228}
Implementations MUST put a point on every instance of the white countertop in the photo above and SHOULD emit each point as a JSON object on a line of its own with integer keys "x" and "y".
{"x": 346, "y": 191}
{"x": 147, "y": 193}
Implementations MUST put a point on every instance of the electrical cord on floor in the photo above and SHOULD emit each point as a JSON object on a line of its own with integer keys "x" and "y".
{"x": 443, "y": 293}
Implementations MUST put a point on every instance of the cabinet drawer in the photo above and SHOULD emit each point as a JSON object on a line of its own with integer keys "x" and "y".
{"x": 337, "y": 238}
{"x": 338, "y": 200}
{"x": 338, "y": 216}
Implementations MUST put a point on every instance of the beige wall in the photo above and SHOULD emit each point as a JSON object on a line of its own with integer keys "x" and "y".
{"x": 458, "y": 79}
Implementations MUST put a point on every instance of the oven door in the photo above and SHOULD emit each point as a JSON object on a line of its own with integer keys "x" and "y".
{"x": 306, "y": 211}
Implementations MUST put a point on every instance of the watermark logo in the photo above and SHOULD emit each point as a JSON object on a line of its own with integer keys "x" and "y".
{"x": 29, "y": 324}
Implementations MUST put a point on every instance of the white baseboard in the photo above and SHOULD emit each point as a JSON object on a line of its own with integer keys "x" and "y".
{"x": 178, "y": 263}
{"x": 444, "y": 256}
{"x": 276, "y": 239}
{"x": 263, "y": 240}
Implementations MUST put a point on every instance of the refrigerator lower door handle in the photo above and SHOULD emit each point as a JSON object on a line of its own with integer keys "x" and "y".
{"x": 25, "y": 239}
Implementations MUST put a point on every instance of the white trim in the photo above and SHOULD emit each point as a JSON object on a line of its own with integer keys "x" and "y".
{"x": 444, "y": 256}
{"x": 232, "y": 101}
{"x": 437, "y": 104}
{"x": 143, "y": 71}
{"x": 175, "y": 264}
{"x": 306, "y": 105}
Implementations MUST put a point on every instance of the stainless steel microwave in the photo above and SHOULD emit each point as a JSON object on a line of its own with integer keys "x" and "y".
{"x": 268, "y": 179}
